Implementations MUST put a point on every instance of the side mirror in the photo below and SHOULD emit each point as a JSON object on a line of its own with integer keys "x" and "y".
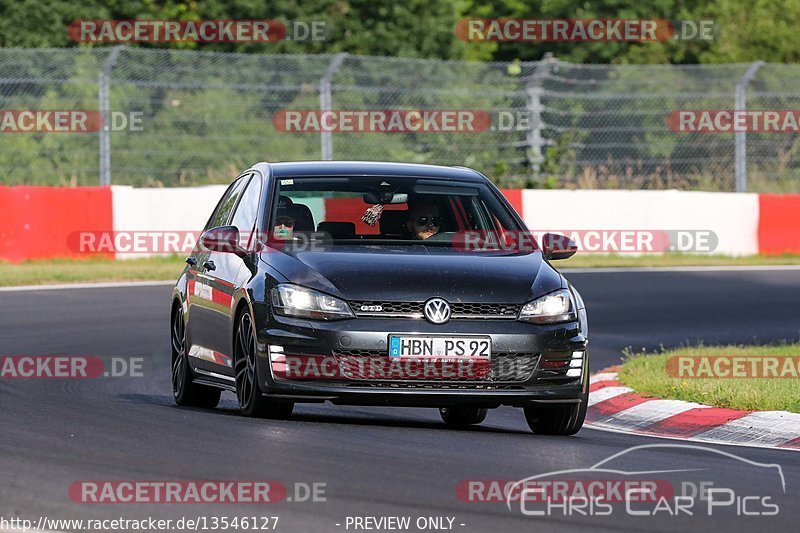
{"x": 556, "y": 246}
{"x": 222, "y": 239}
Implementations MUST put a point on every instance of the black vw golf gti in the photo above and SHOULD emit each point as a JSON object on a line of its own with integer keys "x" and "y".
{"x": 370, "y": 283}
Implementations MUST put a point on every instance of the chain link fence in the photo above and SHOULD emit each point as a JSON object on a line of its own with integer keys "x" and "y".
{"x": 206, "y": 116}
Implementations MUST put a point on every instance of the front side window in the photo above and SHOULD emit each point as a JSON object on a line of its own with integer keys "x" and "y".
{"x": 226, "y": 204}
{"x": 247, "y": 211}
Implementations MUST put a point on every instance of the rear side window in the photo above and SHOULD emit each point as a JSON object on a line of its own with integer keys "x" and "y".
{"x": 225, "y": 206}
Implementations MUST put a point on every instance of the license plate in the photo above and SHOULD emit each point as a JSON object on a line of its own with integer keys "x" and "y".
{"x": 439, "y": 346}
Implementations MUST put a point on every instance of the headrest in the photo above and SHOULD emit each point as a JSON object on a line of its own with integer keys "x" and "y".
{"x": 394, "y": 222}
{"x": 304, "y": 220}
{"x": 338, "y": 230}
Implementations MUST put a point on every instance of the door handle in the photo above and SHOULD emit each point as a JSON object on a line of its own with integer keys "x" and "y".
{"x": 191, "y": 261}
{"x": 209, "y": 265}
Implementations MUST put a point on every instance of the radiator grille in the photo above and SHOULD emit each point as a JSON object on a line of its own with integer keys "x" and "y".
{"x": 464, "y": 311}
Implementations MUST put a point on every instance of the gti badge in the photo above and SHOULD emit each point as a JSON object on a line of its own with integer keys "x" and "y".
{"x": 437, "y": 311}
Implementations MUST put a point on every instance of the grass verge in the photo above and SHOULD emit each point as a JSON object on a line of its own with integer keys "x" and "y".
{"x": 56, "y": 271}
{"x": 588, "y": 260}
{"x": 167, "y": 268}
{"x": 647, "y": 374}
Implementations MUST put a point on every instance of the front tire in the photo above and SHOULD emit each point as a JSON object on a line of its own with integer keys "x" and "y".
{"x": 560, "y": 419}
{"x": 184, "y": 391}
{"x": 252, "y": 401}
{"x": 462, "y": 416}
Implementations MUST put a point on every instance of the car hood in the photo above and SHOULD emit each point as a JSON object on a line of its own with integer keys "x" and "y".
{"x": 416, "y": 273}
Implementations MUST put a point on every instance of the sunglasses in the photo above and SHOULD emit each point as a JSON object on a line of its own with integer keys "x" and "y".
{"x": 424, "y": 221}
{"x": 284, "y": 221}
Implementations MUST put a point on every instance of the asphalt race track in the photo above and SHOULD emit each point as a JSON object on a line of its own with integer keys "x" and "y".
{"x": 373, "y": 461}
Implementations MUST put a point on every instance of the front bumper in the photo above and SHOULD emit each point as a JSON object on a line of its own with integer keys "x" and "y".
{"x": 541, "y": 353}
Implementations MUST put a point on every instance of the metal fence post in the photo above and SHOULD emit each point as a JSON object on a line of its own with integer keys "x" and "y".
{"x": 104, "y": 108}
{"x": 534, "y": 140}
{"x": 325, "y": 103}
{"x": 741, "y": 136}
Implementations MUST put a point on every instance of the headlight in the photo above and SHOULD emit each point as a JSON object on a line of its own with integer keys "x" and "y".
{"x": 550, "y": 308}
{"x": 292, "y": 300}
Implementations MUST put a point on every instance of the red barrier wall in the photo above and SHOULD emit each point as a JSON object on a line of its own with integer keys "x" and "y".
{"x": 514, "y": 197}
{"x": 779, "y": 223}
{"x": 35, "y": 222}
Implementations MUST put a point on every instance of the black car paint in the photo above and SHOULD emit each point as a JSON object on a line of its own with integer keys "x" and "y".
{"x": 408, "y": 273}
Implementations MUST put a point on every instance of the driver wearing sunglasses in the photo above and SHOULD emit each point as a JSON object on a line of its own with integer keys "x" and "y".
{"x": 284, "y": 227}
{"x": 423, "y": 220}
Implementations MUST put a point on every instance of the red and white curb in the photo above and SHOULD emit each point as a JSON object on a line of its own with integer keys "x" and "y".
{"x": 614, "y": 407}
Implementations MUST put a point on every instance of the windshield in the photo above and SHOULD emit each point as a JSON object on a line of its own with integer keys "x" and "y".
{"x": 379, "y": 209}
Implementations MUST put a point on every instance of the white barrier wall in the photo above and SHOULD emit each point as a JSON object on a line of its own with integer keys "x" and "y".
{"x": 179, "y": 209}
{"x": 733, "y": 217}
{"x": 184, "y": 209}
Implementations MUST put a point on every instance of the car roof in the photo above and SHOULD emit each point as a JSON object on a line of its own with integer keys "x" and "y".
{"x": 372, "y": 168}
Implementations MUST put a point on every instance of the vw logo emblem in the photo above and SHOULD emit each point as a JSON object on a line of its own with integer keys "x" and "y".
{"x": 437, "y": 310}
